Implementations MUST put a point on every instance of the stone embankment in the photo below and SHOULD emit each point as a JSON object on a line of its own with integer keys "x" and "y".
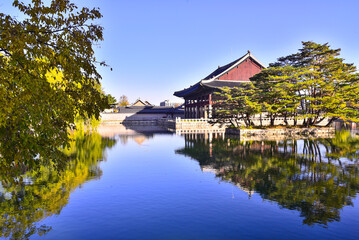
{"x": 180, "y": 126}
{"x": 282, "y": 133}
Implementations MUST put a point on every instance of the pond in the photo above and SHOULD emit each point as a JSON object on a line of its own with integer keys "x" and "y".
{"x": 147, "y": 183}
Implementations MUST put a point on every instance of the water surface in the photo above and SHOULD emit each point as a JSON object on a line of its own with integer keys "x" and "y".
{"x": 146, "y": 183}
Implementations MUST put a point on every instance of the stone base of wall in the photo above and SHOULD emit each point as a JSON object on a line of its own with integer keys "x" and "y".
{"x": 283, "y": 133}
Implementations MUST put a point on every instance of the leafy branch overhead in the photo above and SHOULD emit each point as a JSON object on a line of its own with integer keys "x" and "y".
{"x": 48, "y": 77}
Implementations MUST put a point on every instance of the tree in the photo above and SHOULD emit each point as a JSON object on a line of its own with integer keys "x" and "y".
{"x": 111, "y": 99}
{"x": 315, "y": 83}
{"x": 235, "y": 104}
{"x": 123, "y": 101}
{"x": 275, "y": 91}
{"x": 48, "y": 78}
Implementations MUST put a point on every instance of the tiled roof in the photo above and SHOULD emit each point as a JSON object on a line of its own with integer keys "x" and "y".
{"x": 220, "y": 70}
{"x": 141, "y": 103}
{"x": 211, "y": 81}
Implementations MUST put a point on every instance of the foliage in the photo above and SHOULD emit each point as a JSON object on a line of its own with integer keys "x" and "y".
{"x": 318, "y": 177}
{"x": 123, "y": 101}
{"x": 276, "y": 92}
{"x": 46, "y": 191}
{"x": 235, "y": 104}
{"x": 313, "y": 84}
{"x": 48, "y": 78}
{"x": 111, "y": 99}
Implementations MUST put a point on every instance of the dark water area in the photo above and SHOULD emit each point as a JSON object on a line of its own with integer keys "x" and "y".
{"x": 147, "y": 183}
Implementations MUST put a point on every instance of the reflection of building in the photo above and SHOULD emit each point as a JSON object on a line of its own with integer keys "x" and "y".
{"x": 123, "y": 133}
{"x": 198, "y": 98}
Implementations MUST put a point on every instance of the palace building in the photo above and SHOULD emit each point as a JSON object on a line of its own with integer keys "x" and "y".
{"x": 198, "y": 98}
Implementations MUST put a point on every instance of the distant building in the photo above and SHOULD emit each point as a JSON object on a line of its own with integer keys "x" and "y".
{"x": 165, "y": 103}
{"x": 198, "y": 98}
{"x": 139, "y": 102}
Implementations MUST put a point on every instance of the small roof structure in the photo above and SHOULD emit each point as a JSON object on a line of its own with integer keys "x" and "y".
{"x": 139, "y": 102}
{"x": 148, "y": 104}
{"x": 212, "y": 81}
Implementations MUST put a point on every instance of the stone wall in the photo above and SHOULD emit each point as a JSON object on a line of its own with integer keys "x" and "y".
{"x": 128, "y": 117}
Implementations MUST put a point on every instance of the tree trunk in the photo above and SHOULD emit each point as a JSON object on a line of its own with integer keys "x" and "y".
{"x": 285, "y": 119}
{"x": 272, "y": 119}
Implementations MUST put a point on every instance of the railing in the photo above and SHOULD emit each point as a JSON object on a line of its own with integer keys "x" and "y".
{"x": 256, "y": 120}
{"x": 178, "y": 119}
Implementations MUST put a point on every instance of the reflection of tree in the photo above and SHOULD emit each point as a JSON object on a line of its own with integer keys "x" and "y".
{"x": 315, "y": 177}
{"x": 45, "y": 191}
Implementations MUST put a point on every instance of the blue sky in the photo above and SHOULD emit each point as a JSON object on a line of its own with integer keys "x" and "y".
{"x": 158, "y": 47}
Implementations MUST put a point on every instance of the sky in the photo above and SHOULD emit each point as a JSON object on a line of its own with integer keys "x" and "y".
{"x": 157, "y": 47}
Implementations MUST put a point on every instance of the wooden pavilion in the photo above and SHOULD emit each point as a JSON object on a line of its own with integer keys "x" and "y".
{"x": 198, "y": 98}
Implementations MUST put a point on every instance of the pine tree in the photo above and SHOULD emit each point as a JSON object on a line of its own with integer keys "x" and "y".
{"x": 314, "y": 84}
{"x": 233, "y": 105}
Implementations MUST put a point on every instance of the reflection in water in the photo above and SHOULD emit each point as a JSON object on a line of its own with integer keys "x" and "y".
{"x": 124, "y": 133}
{"x": 45, "y": 190}
{"x": 316, "y": 177}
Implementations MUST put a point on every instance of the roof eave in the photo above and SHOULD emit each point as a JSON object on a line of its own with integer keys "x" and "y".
{"x": 187, "y": 91}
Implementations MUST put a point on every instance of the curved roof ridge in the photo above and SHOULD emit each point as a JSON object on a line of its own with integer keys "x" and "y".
{"x": 226, "y": 68}
{"x": 222, "y": 69}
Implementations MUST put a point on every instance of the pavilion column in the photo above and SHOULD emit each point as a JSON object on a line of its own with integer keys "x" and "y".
{"x": 193, "y": 112}
{"x": 197, "y": 107}
{"x": 185, "y": 108}
{"x": 188, "y": 109}
{"x": 202, "y": 107}
{"x": 191, "y": 109}
{"x": 210, "y": 105}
